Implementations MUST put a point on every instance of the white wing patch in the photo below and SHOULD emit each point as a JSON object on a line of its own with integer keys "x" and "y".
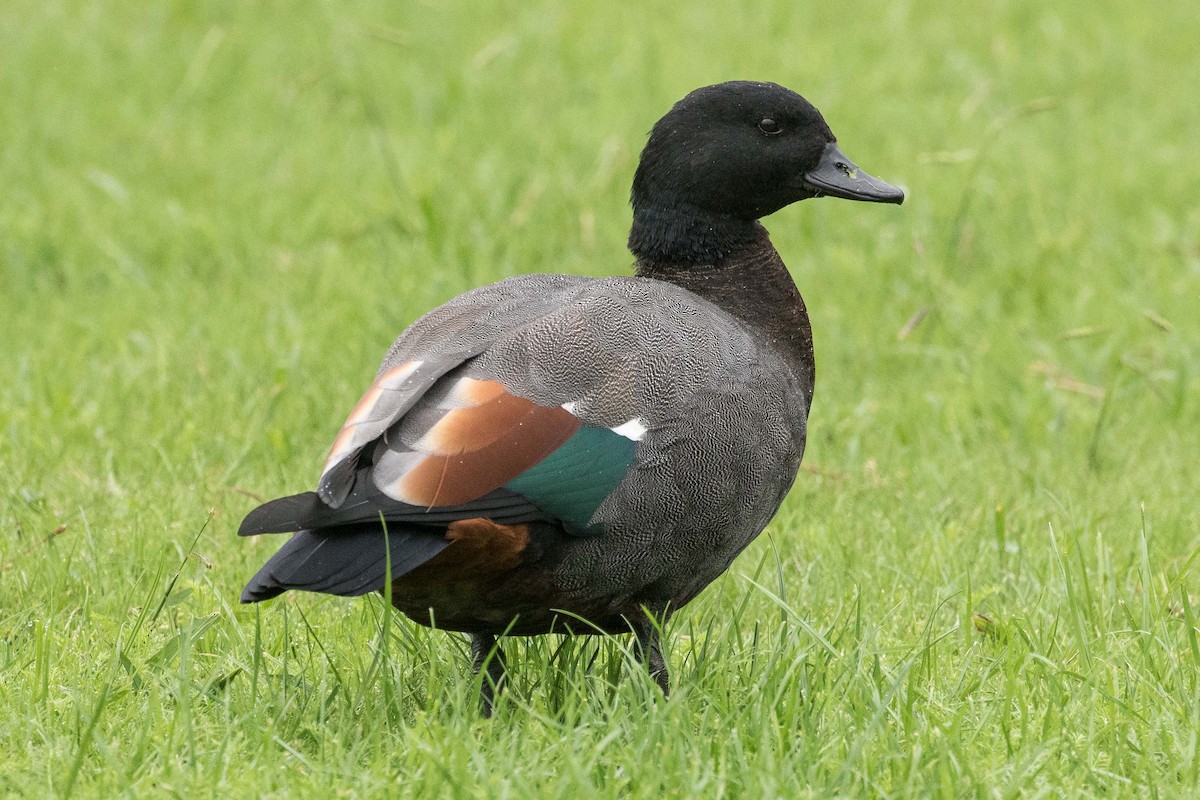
{"x": 633, "y": 430}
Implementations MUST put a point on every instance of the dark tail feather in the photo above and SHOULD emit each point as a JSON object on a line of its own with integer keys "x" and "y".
{"x": 367, "y": 504}
{"x": 350, "y": 560}
{"x": 286, "y": 514}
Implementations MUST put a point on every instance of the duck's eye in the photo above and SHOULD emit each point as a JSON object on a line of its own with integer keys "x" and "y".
{"x": 769, "y": 126}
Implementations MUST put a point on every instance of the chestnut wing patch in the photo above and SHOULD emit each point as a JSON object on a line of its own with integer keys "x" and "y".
{"x": 485, "y": 439}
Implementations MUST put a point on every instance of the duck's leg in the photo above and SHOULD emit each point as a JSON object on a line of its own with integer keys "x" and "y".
{"x": 649, "y": 652}
{"x": 484, "y": 645}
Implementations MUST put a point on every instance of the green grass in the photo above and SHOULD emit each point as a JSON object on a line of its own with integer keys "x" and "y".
{"x": 215, "y": 217}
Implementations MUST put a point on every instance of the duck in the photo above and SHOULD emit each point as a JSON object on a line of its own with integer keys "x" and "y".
{"x": 560, "y": 454}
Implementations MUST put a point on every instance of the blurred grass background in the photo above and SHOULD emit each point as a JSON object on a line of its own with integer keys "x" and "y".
{"x": 214, "y": 218}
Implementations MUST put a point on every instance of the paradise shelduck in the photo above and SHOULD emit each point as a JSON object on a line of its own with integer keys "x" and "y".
{"x": 560, "y": 454}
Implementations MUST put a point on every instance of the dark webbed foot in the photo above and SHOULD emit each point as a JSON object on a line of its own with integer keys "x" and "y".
{"x": 649, "y": 652}
{"x": 485, "y": 652}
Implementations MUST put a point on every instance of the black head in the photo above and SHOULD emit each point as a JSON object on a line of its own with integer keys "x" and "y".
{"x": 743, "y": 150}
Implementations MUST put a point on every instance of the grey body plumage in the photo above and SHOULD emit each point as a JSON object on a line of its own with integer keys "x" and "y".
{"x": 713, "y": 401}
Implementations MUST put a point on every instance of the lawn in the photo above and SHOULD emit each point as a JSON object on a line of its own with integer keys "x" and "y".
{"x": 215, "y": 217}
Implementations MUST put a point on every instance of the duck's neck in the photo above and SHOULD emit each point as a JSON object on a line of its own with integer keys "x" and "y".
{"x": 735, "y": 267}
